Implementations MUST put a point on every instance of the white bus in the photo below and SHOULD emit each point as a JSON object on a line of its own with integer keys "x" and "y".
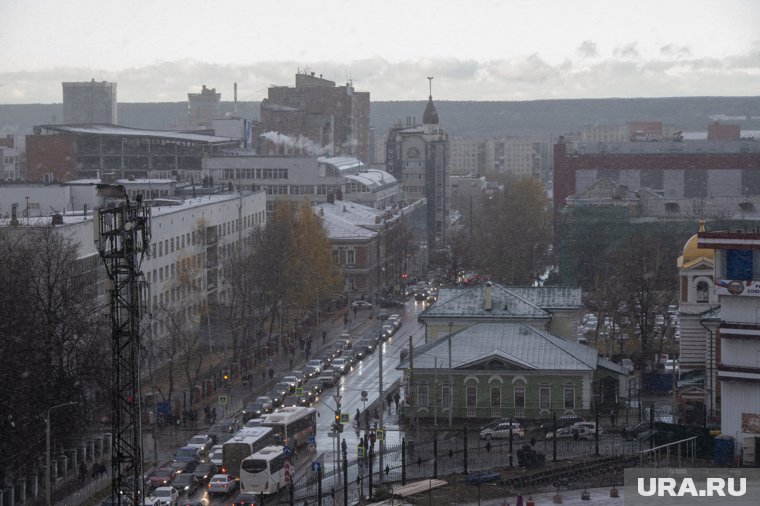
{"x": 264, "y": 472}
{"x": 244, "y": 443}
{"x": 292, "y": 425}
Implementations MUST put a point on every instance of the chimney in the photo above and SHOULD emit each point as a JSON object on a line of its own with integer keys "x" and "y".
{"x": 488, "y": 297}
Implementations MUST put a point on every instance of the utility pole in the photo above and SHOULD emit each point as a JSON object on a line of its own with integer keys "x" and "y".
{"x": 412, "y": 398}
{"x": 381, "y": 399}
{"x": 451, "y": 381}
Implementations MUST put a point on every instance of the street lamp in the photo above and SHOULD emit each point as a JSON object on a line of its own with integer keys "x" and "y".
{"x": 47, "y": 448}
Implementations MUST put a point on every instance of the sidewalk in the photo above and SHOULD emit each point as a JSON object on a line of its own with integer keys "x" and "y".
{"x": 169, "y": 439}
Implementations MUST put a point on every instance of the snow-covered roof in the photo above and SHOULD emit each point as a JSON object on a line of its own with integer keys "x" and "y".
{"x": 342, "y": 163}
{"x": 121, "y": 131}
{"x": 349, "y": 220}
{"x": 470, "y": 303}
{"x": 373, "y": 179}
{"x": 517, "y": 344}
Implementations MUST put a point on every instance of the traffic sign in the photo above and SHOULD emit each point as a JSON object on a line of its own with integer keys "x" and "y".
{"x": 380, "y": 434}
{"x": 337, "y": 399}
{"x": 286, "y": 450}
{"x": 311, "y": 439}
{"x": 287, "y": 472}
{"x": 315, "y": 466}
{"x": 360, "y": 451}
{"x": 364, "y": 395}
{"x": 345, "y": 418}
{"x": 299, "y": 391}
{"x": 222, "y": 400}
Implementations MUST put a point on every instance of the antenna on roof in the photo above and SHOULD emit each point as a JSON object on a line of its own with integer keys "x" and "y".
{"x": 430, "y": 85}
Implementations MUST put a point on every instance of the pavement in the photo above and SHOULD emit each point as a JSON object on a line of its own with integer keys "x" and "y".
{"x": 159, "y": 448}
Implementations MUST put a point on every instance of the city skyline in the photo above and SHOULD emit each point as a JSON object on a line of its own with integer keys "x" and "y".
{"x": 492, "y": 50}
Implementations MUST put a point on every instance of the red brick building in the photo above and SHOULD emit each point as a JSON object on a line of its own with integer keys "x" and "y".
{"x": 719, "y": 132}
{"x": 51, "y": 158}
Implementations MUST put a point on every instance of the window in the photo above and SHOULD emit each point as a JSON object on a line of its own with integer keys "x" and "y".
{"x": 520, "y": 397}
{"x": 445, "y": 396}
{"x": 350, "y": 257}
{"x": 702, "y": 292}
{"x": 569, "y": 396}
{"x": 422, "y": 395}
{"x": 472, "y": 397}
{"x": 495, "y": 397}
{"x": 739, "y": 264}
{"x": 545, "y": 397}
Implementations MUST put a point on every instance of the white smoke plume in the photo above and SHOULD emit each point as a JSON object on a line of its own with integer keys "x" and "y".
{"x": 299, "y": 144}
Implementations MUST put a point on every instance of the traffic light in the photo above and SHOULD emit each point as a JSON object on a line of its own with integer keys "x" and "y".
{"x": 337, "y": 417}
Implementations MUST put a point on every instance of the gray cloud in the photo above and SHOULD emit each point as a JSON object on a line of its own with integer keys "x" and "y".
{"x": 628, "y": 51}
{"x": 525, "y": 78}
{"x": 587, "y": 49}
{"x": 675, "y": 51}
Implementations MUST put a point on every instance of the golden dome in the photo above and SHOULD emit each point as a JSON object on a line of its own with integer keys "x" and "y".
{"x": 693, "y": 252}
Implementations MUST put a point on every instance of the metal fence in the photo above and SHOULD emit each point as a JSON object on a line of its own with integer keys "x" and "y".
{"x": 452, "y": 453}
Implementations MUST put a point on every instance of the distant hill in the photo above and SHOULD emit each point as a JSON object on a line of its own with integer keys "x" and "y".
{"x": 536, "y": 118}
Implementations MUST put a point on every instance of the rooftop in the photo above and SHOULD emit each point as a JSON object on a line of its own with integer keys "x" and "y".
{"x": 121, "y": 131}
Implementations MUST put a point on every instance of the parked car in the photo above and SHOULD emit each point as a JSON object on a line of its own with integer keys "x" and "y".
{"x": 313, "y": 385}
{"x": 364, "y": 347}
{"x": 590, "y": 426}
{"x": 389, "y": 303}
{"x": 328, "y": 377}
{"x": 166, "y": 496}
{"x": 632, "y": 432}
{"x": 246, "y": 499}
{"x": 201, "y": 441}
{"x": 215, "y": 455}
{"x": 291, "y": 380}
{"x": 204, "y": 471}
{"x": 387, "y": 331}
{"x": 184, "y": 464}
{"x": 572, "y": 432}
{"x": 186, "y": 483}
{"x": 161, "y": 477}
{"x": 501, "y": 431}
{"x": 350, "y": 356}
{"x": 562, "y": 421}
{"x": 222, "y": 484}
{"x": 361, "y": 304}
{"x": 395, "y": 320}
{"x": 311, "y": 371}
{"x": 188, "y": 451}
{"x": 340, "y": 365}
{"x": 256, "y": 408}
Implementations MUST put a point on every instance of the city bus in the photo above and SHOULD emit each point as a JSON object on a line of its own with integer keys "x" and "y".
{"x": 292, "y": 425}
{"x": 244, "y": 443}
{"x": 263, "y": 472}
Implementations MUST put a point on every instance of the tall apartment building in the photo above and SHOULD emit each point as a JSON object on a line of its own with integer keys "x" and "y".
{"x": 204, "y": 107}
{"x": 417, "y": 156}
{"x": 518, "y": 157}
{"x": 89, "y": 102}
{"x": 315, "y": 117}
{"x": 465, "y": 157}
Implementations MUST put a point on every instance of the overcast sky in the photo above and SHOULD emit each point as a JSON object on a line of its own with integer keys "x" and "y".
{"x": 159, "y": 50}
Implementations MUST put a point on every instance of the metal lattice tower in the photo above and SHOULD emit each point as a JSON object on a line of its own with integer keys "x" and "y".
{"x": 122, "y": 237}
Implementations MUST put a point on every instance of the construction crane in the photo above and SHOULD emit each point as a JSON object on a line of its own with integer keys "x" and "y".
{"x": 122, "y": 237}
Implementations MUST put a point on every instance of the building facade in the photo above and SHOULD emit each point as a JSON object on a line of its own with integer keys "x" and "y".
{"x": 417, "y": 156}
{"x": 57, "y": 153}
{"x": 737, "y": 270}
{"x": 498, "y": 370}
{"x": 315, "y": 117}
{"x": 204, "y": 107}
{"x": 299, "y": 178}
{"x": 89, "y": 102}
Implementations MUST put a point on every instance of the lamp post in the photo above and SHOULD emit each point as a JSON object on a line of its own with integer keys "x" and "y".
{"x": 47, "y": 448}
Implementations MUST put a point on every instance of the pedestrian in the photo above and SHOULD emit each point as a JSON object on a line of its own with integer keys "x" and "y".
{"x": 345, "y": 321}
{"x": 82, "y": 471}
{"x": 389, "y": 399}
{"x": 532, "y": 442}
{"x": 612, "y": 418}
{"x": 324, "y": 336}
{"x": 356, "y": 417}
{"x": 213, "y": 415}
{"x": 271, "y": 373}
{"x": 396, "y": 399}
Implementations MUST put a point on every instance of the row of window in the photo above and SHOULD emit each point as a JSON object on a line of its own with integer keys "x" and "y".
{"x": 443, "y": 397}
{"x": 255, "y": 173}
